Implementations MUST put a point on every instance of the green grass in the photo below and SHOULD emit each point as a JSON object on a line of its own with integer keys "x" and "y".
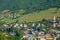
{"x": 36, "y": 16}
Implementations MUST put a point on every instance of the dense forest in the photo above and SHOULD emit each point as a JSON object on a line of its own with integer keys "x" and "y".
{"x": 28, "y": 5}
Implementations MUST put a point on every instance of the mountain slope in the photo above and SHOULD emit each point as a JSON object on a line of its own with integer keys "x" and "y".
{"x": 36, "y": 16}
{"x": 28, "y": 4}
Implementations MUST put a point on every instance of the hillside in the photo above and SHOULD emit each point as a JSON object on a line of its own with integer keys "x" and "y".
{"x": 28, "y": 10}
{"x": 36, "y": 16}
{"x": 28, "y": 5}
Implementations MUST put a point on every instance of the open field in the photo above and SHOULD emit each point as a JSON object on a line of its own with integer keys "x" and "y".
{"x": 36, "y": 16}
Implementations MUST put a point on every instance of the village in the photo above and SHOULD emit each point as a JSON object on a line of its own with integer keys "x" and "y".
{"x": 42, "y": 30}
{"x": 29, "y": 19}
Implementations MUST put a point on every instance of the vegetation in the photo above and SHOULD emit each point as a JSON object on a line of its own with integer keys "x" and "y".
{"x": 33, "y": 17}
{"x": 25, "y": 11}
{"x": 28, "y": 5}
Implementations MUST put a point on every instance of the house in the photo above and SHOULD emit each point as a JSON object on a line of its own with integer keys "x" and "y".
{"x": 58, "y": 24}
{"x": 25, "y": 25}
{"x": 24, "y": 36}
{"x": 16, "y": 25}
{"x": 39, "y": 24}
{"x": 30, "y": 32}
{"x": 48, "y": 37}
{"x": 5, "y": 25}
{"x": 21, "y": 25}
{"x": 58, "y": 33}
{"x": 40, "y": 37}
{"x": 41, "y": 33}
{"x": 31, "y": 37}
{"x": 33, "y": 24}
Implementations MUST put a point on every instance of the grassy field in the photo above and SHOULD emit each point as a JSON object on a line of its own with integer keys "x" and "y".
{"x": 36, "y": 16}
